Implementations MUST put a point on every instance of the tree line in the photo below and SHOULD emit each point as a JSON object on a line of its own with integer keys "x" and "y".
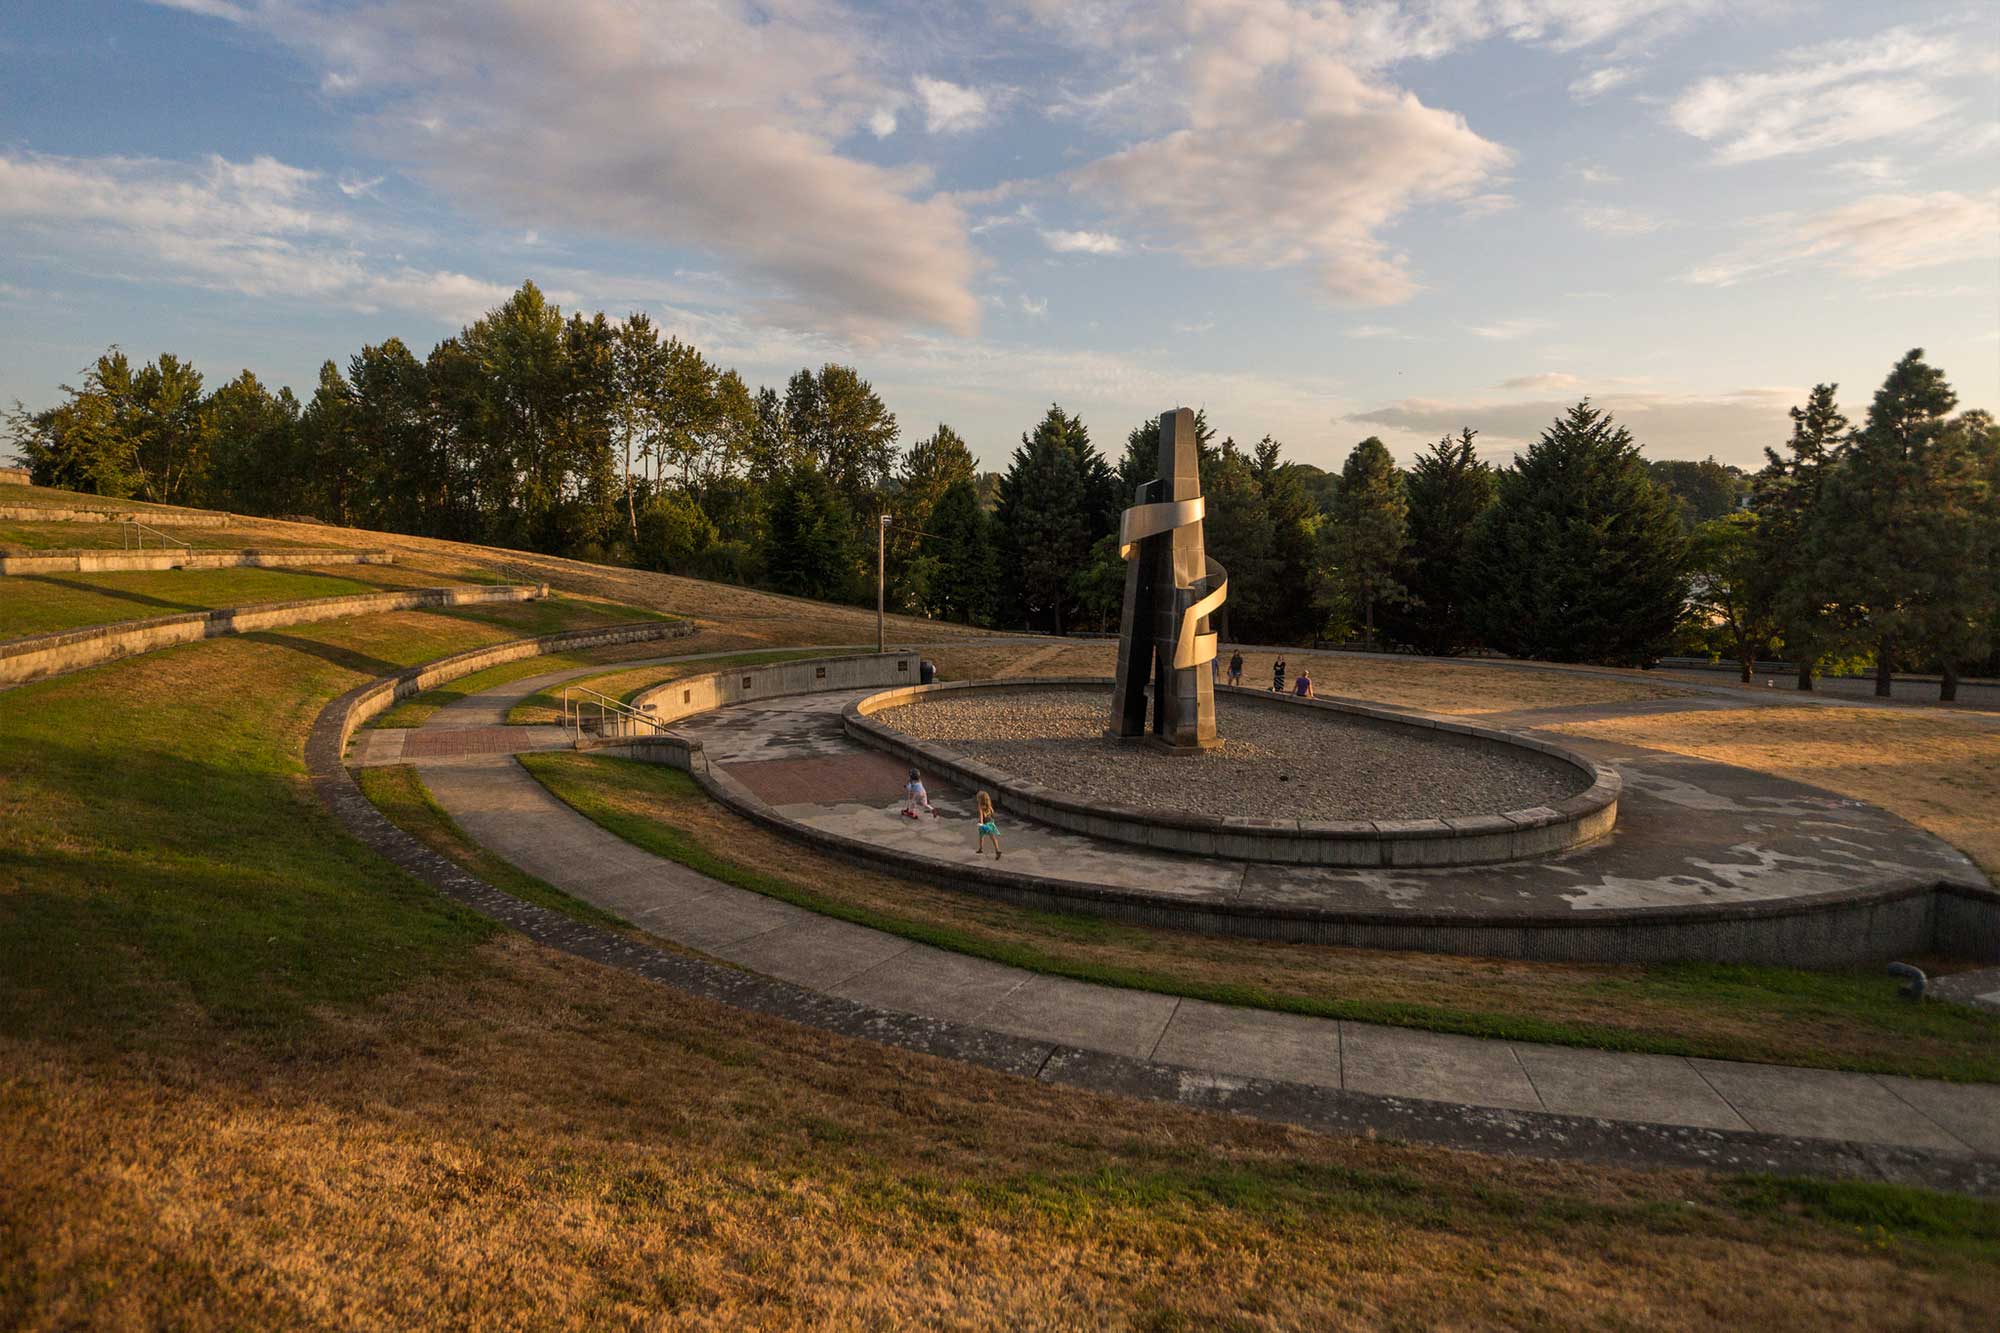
{"x": 582, "y": 436}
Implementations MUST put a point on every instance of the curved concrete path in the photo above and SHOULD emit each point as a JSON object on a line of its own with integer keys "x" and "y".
{"x": 505, "y": 810}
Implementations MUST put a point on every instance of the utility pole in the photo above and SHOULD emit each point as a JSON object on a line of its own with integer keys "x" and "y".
{"x": 881, "y": 542}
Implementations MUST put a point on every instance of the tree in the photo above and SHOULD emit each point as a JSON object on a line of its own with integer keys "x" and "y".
{"x": 87, "y": 444}
{"x": 1450, "y": 490}
{"x": 1901, "y": 544}
{"x": 1141, "y": 462}
{"x": 1237, "y": 534}
{"x": 836, "y": 420}
{"x": 1371, "y": 525}
{"x": 401, "y": 478}
{"x": 1098, "y": 586}
{"x": 673, "y": 532}
{"x": 327, "y": 441}
{"x": 932, "y": 466}
{"x": 636, "y": 363}
{"x": 1057, "y": 498}
{"x": 171, "y": 432}
{"x": 255, "y": 463}
{"x": 1581, "y": 558}
{"x": 961, "y": 542}
{"x": 1725, "y": 587}
{"x": 811, "y": 551}
{"x": 1785, "y": 496}
{"x": 1702, "y": 491}
{"x": 1296, "y": 516}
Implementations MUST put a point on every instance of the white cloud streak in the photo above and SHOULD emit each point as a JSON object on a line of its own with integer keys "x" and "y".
{"x": 1083, "y": 242}
{"x": 260, "y": 228}
{"x": 1871, "y": 237}
{"x": 951, "y": 108}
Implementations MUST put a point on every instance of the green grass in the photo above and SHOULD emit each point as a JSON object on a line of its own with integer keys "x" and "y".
{"x": 1874, "y": 1210}
{"x": 57, "y": 535}
{"x": 1677, "y": 1009}
{"x": 555, "y": 613}
{"x": 417, "y": 709}
{"x": 43, "y": 603}
{"x": 536, "y": 706}
{"x": 399, "y": 793}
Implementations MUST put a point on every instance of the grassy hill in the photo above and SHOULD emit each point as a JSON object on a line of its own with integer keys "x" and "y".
{"x": 250, "y": 1074}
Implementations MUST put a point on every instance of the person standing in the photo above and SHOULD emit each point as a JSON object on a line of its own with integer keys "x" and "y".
{"x": 987, "y": 828}
{"x": 1236, "y": 667}
{"x": 1278, "y": 676}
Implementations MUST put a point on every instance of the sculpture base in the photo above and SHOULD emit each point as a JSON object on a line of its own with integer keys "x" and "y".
{"x": 1161, "y": 743}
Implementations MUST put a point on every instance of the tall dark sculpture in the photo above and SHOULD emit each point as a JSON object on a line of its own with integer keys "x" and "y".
{"x": 1172, "y": 589}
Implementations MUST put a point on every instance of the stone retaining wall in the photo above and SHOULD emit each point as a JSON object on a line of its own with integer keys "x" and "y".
{"x": 1459, "y": 840}
{"x": 15, "y": 476}
{"x": 47, "y": 654}
{"x": 106, "y": 561}
{"x": 154, "y": 517}
{"x": 699, "y": 694}
{"x": 366, "y": 702}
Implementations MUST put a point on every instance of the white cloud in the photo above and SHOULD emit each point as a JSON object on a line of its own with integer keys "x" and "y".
{"x": 1546, "y": 380}
{"x": 1593, "y": 175}
{"x": 1379, "y": 332}
{"x": 1506, "y": 330}
{"x": 1034, "y": 308}
{"x": 1083, "y": 242}
{"x": 1190, "y": 327}
{"x": 259, "y": 228}
{"x": 1611, "y": 220}
{"x": 1890, "y": 85}
{"x": 1600, "y": 81}
{"x": 1877, "y": 235}
{"x": 713, "y": 126}
{"x": 1259, "y": 137}
{"x": 951, "y": 108}
{"x": 882, "y": 122}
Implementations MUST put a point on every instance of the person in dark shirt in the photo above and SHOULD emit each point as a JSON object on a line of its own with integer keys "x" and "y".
{"x": 1236, "y": 668}
{"x": 1278, "y": 676}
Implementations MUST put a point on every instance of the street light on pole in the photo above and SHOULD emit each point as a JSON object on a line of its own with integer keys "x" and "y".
{"x": 881, "y": 543}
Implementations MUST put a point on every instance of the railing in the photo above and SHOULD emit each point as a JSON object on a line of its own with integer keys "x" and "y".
{"x": 591, "y": 712}
{"x": 133, "y": 528}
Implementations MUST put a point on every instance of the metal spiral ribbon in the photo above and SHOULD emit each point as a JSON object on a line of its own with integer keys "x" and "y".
{"x": 1151, "y": 520}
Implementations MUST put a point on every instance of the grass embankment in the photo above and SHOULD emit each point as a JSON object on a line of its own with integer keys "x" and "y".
{"x": 250, "y": 1075}
{"x": 1940, "y": 771}
{"x": 43, "y": 603}
{"x": 1848, "y": 1019}
{"x": 57, "y": 535}
{"x": 546, "y": 705}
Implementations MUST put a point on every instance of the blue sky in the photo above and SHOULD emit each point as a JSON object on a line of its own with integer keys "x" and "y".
{"x": 1320, "y": 221}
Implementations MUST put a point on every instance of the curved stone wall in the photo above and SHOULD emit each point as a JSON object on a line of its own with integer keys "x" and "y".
{"x": 1467, "y": 840}
{"x": 47, "y": 654}
{"x": 157, "y": 517}
{"x": 106, "y": 561}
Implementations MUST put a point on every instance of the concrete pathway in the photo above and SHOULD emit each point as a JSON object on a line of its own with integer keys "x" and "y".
{"x": 505, "y": 810}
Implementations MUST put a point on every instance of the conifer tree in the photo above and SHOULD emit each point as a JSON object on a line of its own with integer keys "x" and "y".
{"x": 1450, "y": 489}
{"x": 1371, "y": 526}
{"x": 1581, "y": 558}
{"x": 1057, "y": 498}
{"x": 1785, "y": 497}
{"x": 961, "y": 541}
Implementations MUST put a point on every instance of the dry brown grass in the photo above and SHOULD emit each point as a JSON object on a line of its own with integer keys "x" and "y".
{"x": 563, "y": 1145}
{"x": 1940, "y": 771}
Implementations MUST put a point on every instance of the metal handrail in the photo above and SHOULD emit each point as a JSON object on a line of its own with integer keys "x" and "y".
{"x": 605, "y": 706}
{"x": 133, "y": 527}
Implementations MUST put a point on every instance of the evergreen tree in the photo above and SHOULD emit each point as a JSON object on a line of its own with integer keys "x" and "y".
{"x": 1785, "y": 496}
{"x": 402, "y": 479}
{"x": 1057, "y": 498}
{"x": 1141, "y": 462}
{"x": 1290, "y": 614}
{"x": 328, "y": 446}
{"x": 170, "y": 430}
{"x": 1901, "y": 528}
{"x": 1237, "y": 533}
{"x": 1450, "y": 490}
{"x": 961, "y": 542}
{"x": 844, "y": 430}
{"x": 255, "y": 461}
{"x": 1370, "y": 529}
{"x": 811, "y": 552}
{"x": 1702, "y": 491}
{"x": 1581, "y": 558}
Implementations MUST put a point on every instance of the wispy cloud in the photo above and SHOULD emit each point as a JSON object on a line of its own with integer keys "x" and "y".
{"x": 951, "y": 108}
{"x": 1877, "y": 235}
{"x": 1611, "y": 220}
{"x": 1506, "y": 330}
{"x": 1600, "y": 81}
{"x": 1083, "y": 242}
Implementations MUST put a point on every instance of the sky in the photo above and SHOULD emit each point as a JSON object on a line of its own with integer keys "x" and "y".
{"x": 1318, "y": 221}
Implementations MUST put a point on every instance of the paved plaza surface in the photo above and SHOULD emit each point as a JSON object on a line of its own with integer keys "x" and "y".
{"x": 1690, "y": 833}
{"x": 500, "y": 806}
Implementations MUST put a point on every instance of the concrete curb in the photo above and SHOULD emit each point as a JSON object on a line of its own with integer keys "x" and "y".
{"x": 1534, "y": 1134}
{"x": 68, "y": 650}
{"x": 1461, "y": 840}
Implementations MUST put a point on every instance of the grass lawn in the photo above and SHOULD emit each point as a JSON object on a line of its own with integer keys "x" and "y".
{"x": 61, "y": 536}
{"x": 250, "y": 1075}
{"x": 1845, "y": 1019}
{"x": 546, "y": 705}
{"x": 42, "y": 603}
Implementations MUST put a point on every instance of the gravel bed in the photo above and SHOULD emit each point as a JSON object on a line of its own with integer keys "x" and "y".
{"x": 1274, "y": 762}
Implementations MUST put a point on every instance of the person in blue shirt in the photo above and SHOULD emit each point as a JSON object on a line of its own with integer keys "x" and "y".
{"x": 1304, "y": 688}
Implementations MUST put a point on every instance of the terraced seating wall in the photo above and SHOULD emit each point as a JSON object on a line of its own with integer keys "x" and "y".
{"x": 161, "y": 517}
{"x": 47, "y": 654}
{"x": 102, "y": 561}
